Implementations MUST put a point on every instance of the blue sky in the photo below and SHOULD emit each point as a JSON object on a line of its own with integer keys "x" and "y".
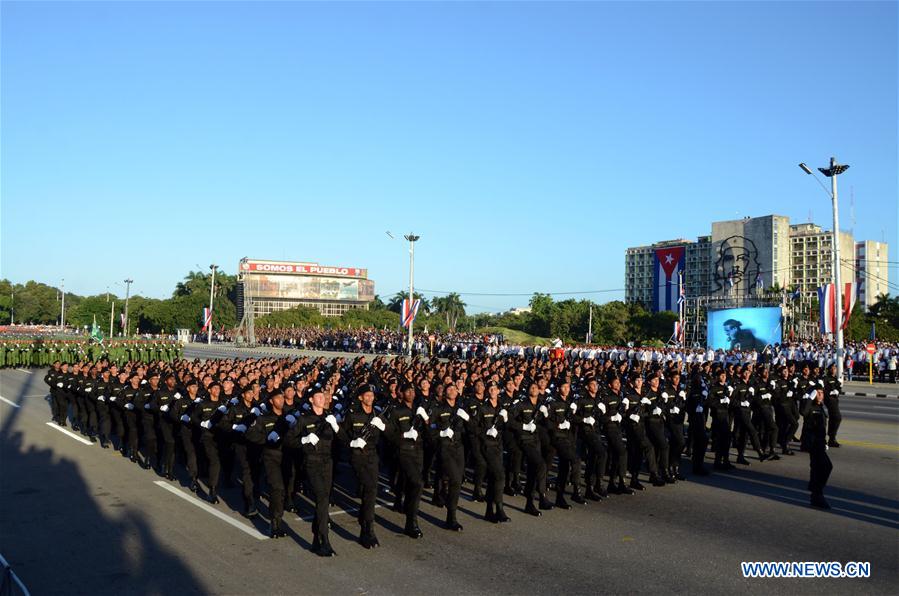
{"x": 527, "y": 143}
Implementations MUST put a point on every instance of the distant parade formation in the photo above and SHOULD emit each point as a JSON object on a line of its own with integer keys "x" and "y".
{"x": 278, "y": 427}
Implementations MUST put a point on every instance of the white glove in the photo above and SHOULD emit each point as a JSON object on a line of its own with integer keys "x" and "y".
{"x": 766, "y": 396}
{"x": 789, "y": 394}
{"x": 129, "y": 406}
{"x": 601, "y": 406}
{"x": 821, "y": 382}
{"x": 146, "y": 406}
{"x": 810, "y": 395}
{"x": 241, "y": 428}
{"x": 263, "y": 407}
{"x": 682, "y": 393}
{"x": 59, "y": 385}
{"x": 726, "y": 401}
{"x": 564, "y": 425}
{"x": 699, "y": 409}
{"x": 665, "y": 395}
{"x": 730, "y": 389}
{"x": 207, "y": 424}
{"x": 589, "y": 420}
{"x": 330, "y": 419}
{"x": 745, "y": 404}
{"x": 834, "y": 392}
{"x": 233, "y": 401}
{"x": 544, "y": 411}
{"x": 492, "y": 432}
{"x": 222, "y": 408}
{"x": 705, "y": 393}
{"x": 645, "y": 401}
{"x": 529, "y": 427}
{"x": 463, "y": 414}
{"x": 185, "y": 418}
{"x": 625, "y": 402}
{"x": 573, "y": 407}
{"x": 312, "y": 439}
{"x": 101, "y": 398}
{"x": 773, "y": 383}
{"x": 504, "y": 414}
{"x": 378, "y": 423}
{"x": 255, "y": 411}
{"x": 164, "y": 408}
{"x": 177, "y": 395}
{"x": 448, "y": 433}
{"x": 411, "y": 434}
{"x": 657, "y": 411}
{"x": 420, "y": 411}
{"x": 752, "y": 390}
{"x": 291, "y": 419}
{"x": 634, "y": 417}
{"x": 357, "y": 443}
{"x": 675, "y": 410}
{"x": 616, "y": 418}
{"x": 273, "y": 437}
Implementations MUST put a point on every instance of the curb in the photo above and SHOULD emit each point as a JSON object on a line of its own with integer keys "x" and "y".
{"x": 882, "y": 395}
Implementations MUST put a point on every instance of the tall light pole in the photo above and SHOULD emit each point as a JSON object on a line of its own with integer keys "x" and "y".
{"x": 412, "y": 238}
{"x": 12, "y": 304}
{"x": 62, "y": 312}
{"x": 128, "y": 283}
{"x": 832, "y": 172}
{"x": 211, "y": 296}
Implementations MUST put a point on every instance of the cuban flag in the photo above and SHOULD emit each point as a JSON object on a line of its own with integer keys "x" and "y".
{"x": 409, "y": 312}
{"x": 668, "y": 263}
{"x": 827, "y": 301}
{"x": 207, "y": 318}
{"x": 122, "y": 320}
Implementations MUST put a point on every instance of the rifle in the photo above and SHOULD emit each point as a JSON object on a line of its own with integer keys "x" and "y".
{"x": 384, "y": 415}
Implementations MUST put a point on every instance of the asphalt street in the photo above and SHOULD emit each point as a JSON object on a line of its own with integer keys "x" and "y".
{"x": 79, "y": 519}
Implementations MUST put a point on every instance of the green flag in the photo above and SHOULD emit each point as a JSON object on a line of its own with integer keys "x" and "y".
{"x": 96, "y": 334}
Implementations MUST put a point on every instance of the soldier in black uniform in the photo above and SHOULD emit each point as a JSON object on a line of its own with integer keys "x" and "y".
{"x": 654, "y": 421}
{"x": 610, "y": 420}
{"x": 102, "y": 390}
{"x": 743, "y": 398}
{"x": 361, "y": 430}
{"x": 523, "y": 419}
{"x": 638, "y": 445}
{"x": 247, "y": 454}
{"x": 269, "y": 431}
{"x": 719, "y": 403}
{"x": 316, "y": 430}
{"x": 698, "y": 413}
{"x": 763, "y": 416}
{"x": 183, "y": 409}
{"x": 833, "y": 386}
{"x": 168, "y": 425}
{"x": 492, "y": 418}
{"x": 514, "y": 456}
{"x": 148, "y": 415}
{"x": 814, "y": 413}
{"x": 590, "y": 410}
{"x": 450, "y": 418}
{"x": 562, "y": 423}
{"x": 403, "y": 430}
{"x": 116, "y": 408}
{"x": 131, "y": 400}
{"x": 784, "y": 405}
{"x": 54, "y": 380}
{"x": 674, "y": 400}
{"x": 474, "y": 439}
{"x": 210, "y": 417}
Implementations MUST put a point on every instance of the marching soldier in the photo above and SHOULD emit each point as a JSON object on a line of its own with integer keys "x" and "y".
{"x": 492, "y": 417}
{"x": 814, "y": 413}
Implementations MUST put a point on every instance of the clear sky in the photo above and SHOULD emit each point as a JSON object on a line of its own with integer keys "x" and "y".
{"x": 527, "y": 143}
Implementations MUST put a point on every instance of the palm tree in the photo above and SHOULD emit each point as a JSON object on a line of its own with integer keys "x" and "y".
{"x": 451, "y": 307}
{"x": 395, "y": 304}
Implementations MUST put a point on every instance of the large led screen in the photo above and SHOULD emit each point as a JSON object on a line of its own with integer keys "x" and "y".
{"x": 744, "y": 328}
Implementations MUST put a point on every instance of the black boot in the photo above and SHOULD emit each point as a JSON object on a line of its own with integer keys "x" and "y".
{"x": 213, "y": 497}
{"x": 742, "y": 461}
{"x": 451, "y": 523}
{"x": 501, "y": 516}
{"x": 591, "y": 494}
{"x": 545, "y": 505}
{"x": 477, "y": 495}
{"x": 412, "y": 530}
{"x": 820, "y": 502}
{"x": 578, "y": 498}
{"x": 636, "y": 485}
{"x": 276, "y": 531}
{"x": 324, "y": 549}
{"x": 490, "y": 515}
{"x": 372, "y": 539}
{"x": 657, "y": 480}
{"x": 561, "y": 503}
{"x": 194, "y": 485}
{"x": 624, "y": 490}
{"x": 364, "y": 536}
{"x": 531, "y": 510}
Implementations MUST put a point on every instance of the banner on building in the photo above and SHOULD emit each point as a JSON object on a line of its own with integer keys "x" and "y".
{"x": 827, "y": 301}
{"x": 668, "y": 263}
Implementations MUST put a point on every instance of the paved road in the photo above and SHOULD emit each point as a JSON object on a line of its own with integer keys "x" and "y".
{"x": 79, "y": 519}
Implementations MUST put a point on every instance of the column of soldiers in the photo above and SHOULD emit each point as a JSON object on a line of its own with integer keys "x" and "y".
{"x": 430, "y": 424}
{"x": 31, "y": 352}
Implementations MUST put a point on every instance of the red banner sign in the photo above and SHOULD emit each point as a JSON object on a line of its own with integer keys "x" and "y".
{"x": 302, "y": 269}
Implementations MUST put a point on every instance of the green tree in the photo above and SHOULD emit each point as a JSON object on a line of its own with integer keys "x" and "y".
{"x": 450, "y": 307}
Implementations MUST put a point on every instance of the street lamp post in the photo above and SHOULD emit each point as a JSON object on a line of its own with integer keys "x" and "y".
{"x": 832, "y": 172}
{"x": 412, "y": 239}
{"x": 211, "y": 296}
{"x": 128, "y": 283}
{"x": 62, "y": 312}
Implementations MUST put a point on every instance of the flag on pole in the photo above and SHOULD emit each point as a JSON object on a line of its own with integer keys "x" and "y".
{"x": 668, "y": 263}
{"x": 873, "y": 333}
{"x": 410, "y": 311}
{"x": 96, "y": 334}
{"x": 681, "y": 309}
{"x": 827, "y": 300}
{"x": 207, "y": 318}
{"x": 122, "y": 320}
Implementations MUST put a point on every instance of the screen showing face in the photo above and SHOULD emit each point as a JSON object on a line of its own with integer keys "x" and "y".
{"x": 744, "y": 328}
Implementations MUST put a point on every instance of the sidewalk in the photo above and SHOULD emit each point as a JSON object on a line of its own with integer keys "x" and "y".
{"x": 863, "y": 389}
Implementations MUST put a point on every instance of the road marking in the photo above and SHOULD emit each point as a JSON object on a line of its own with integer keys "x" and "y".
{"x": 210, "y": 509}
{"x": 71, "y": 434}
{"x": 870, "y": 445}
{"x": 24, "y": 371}
{"x": 4, "y": 400}
{"x": 309, "y": 518}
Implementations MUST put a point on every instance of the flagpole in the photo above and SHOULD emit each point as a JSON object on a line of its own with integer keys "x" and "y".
{"x": 111, "y": 314}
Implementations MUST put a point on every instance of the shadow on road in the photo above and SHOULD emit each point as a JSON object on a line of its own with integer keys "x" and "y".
{"x": 844, "y": 502}
{"x": 57, "y": 539}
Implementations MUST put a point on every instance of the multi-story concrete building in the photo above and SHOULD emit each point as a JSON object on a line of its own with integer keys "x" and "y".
{"x": 871, "y": 271}
{"x": 749, "y": 254}
{"x": 811, "y": 253}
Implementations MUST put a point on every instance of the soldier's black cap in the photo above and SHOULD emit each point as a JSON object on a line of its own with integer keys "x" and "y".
{"x": 154, "y": 373}
{"x": 190, "y": 381}
{"x": 365, "y": 389}
{"x": 492, "y": 384}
